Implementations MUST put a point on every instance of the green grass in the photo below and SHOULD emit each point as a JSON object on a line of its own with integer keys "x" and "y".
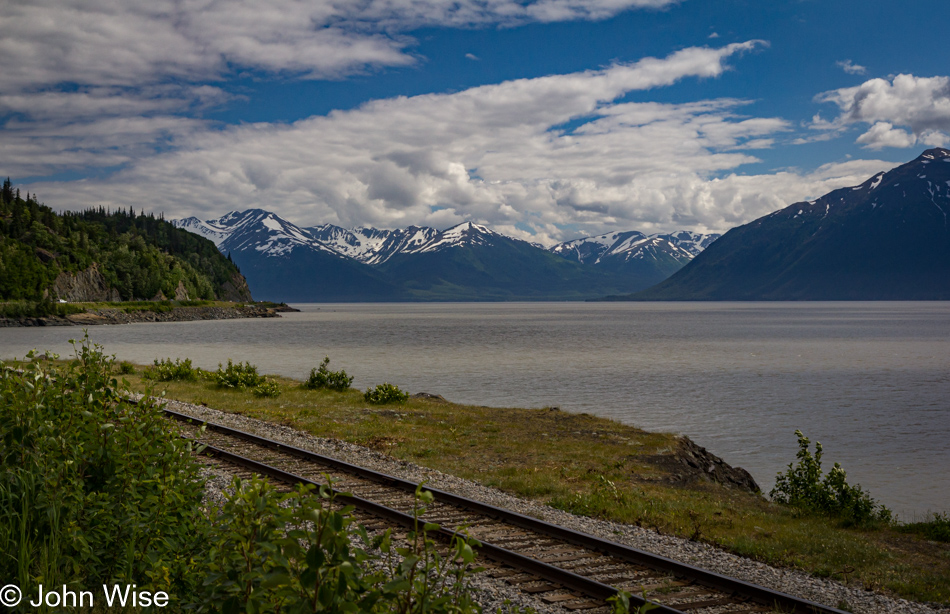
{"x": 36, "y": 309}
{"x": 599, "y": 468}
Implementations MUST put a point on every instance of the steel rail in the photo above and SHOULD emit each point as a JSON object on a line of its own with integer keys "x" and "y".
{"x": 730, "y": 586}
{"x": 568, "y": 579}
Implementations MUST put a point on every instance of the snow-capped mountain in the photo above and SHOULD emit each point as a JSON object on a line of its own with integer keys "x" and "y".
{"x": 370, "y": 245}
{"x": 681, "y": 246}
{"x": 256, "y": 229}
{"x": 885, "y": 239}
{"x": 465, "y": 262}
{"x": 282, "y": 261}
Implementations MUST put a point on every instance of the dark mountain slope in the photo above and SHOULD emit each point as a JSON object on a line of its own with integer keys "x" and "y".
{"x": 886, "y": 239}
{"x": 471, "y": 262}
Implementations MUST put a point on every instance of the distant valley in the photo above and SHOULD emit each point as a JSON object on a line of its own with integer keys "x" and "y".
{"x": 468, "y": 262}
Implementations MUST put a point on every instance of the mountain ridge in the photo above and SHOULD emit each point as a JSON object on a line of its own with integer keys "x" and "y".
{"x": 887, "y": 238}
{"x": 462, "y": 262}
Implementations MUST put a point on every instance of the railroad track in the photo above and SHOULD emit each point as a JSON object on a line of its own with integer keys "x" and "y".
{"x": 560, "y": 566}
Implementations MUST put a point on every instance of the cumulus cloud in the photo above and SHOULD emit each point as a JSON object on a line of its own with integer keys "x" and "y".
{"x": 496, "y": 154}
{"x": 903, "y": 111}
{"x": 883, "y": 134}
{"x": 851, "y": 68}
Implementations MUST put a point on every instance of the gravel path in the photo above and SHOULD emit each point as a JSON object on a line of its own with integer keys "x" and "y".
{"x": 493, "y": 593}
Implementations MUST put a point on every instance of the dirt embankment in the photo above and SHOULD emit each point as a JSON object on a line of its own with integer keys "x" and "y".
{"x": 121, "y": 316}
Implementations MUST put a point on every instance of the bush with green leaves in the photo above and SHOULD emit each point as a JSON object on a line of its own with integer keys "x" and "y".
{"x": 300, "y": 552}
{"x": 322, "y": 377}
{"x": 94, "y": 487}
{"x": 804, "y": 487}
{"x": 267, "y": 388}
{"x": 242, "y": 375}
{"x": 385, "y": 393}
{"x": 167, "y": 370}
{"x": 126, "y": 368}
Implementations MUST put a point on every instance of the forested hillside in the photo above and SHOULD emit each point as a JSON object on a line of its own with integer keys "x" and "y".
{"x": 105, "y": 255}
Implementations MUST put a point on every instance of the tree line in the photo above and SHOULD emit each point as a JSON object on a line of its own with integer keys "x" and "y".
{"x": 138, "y": 254}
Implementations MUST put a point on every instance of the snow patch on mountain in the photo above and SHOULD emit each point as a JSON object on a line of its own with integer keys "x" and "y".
{"x": 271, "y": 235}
{"x": 682, "y": 245}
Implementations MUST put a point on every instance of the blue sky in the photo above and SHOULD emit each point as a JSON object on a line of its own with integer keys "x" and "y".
{"x": 548, "y": 119}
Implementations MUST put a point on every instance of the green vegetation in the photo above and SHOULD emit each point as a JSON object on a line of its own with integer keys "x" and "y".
{"x": 385, "y": 393}
{"x": 126, "y": 368}
{"x": 242, "y": 375}
{"x": 301, "y": 553}
{"x": 603, "y": 469}
{"x": 322, "y": 377}
{"x": 936, "y": 529}
{"x": 138, "y": 255}
{"x": 267, "y": 388}
{"x": 37, "y": 309}
{"x": 94, "y": 490}
{"x": 166, "y": 370}
{"x": 804, "y": 487}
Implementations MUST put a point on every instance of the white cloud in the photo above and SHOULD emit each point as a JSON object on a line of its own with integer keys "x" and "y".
{"x": 921, "y": 104}
{"x": 851, "y": 68}
{"x": 106, "y": 43}
{"x": 883, "y": 134}
{"x": 471, "y": 56}
{"x": 88, "y": 66}
{"x": 493, "y": 154}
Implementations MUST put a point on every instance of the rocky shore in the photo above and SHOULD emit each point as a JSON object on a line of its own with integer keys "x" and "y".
{"x": 118, "y": 315}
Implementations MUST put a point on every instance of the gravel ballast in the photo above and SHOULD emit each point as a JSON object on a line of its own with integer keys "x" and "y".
{"x": 494, "y": 592}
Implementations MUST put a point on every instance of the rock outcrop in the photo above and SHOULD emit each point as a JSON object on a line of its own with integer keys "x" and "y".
{"x": 235, "y": 290}
{"x": 181, "y": 292}
{"x": 690, "y": 462}
{"x": 84, "y": 286}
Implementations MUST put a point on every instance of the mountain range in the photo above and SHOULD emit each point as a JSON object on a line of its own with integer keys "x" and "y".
{"x": 886, "y": 239}
{"x": 469, "y": 262}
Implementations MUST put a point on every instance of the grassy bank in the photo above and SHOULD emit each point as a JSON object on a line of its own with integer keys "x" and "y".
{"x": 96, "y": 491}
{"x": 600, "y": 468}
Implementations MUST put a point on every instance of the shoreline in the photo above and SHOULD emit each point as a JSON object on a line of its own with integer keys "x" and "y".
{"x": 119, "y": 315}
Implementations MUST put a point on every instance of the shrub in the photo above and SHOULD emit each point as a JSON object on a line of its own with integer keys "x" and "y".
{"x": 241, "y": 375}
{"x": 267, "y": 388}
{"x": 94, "y": 487}
{"x": 166, "y": 370}
{"x": 322, "y": 377}
{"x": 385, "y": 393}
{"x": 126, "y": 368}
{"x": 301, "y": 553}
{"x": 804, "y": 487}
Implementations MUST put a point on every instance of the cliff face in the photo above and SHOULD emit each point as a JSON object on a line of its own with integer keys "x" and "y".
{"x": 235, "y": 290}
{"x": 91, "y": 286}
{"x": 88, "y": 285}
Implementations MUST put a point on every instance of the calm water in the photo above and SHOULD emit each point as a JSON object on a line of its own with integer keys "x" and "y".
{"x": 871, "y": 381}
